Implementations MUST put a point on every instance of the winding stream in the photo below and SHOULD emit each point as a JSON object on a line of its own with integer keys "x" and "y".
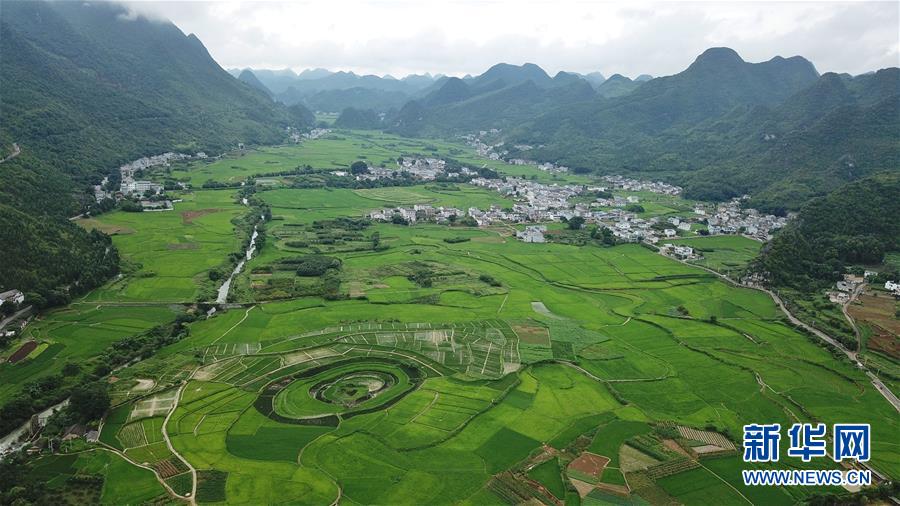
{"x": 222, "y": 298}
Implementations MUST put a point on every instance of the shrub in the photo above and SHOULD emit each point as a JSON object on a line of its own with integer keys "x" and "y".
{"x": 489, "y": 280}
{"x": 457, "y": 239}
{"x": 312, "y": 265}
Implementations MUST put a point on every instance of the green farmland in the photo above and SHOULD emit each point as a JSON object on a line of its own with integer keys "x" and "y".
{"x": 333, "y": 152}
{"x": 724, "y": 253}
{"x": 378, "y": 363}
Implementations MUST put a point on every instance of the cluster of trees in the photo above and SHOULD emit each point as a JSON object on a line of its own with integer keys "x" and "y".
{"x": 51, "y": 259}
{"x": 491, "y": 280}
{"x": 855, "y": 224}
{"x": 456, "y": 239}
{"x": 80, "y": 382}
{"x": 359, "y": 167}
{"x": 312, "y": 265}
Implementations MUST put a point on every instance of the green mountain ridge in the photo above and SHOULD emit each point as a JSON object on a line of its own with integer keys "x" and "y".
{"x": 855, "y": 224}
{"x": 87, "y": 87}
{"x": 725, "y": 127}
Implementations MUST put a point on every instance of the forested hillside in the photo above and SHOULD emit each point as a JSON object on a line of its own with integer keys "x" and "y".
{"x": 51, "y": 259}
{"x": 855, "y": 224}
{"x": 723, "y": 127}
{"x": 322, "y": 90}
{"x": 86, "y": 87}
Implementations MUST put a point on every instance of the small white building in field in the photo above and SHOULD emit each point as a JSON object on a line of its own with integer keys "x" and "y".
{"x": 533, "y": 233}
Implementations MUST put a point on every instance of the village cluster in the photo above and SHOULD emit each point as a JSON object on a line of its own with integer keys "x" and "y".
{"x": 498, "y": 152}
{"x": 616, "y": 182}
{"x": 732, "y": 218}
{"x": 845, "y": 291}
{"x": 11, "y": 301}
{"x": 298, "y": 136}
{"x": 130, "y": 186}
{"x": 425, "y": 169}
{"x": 541, "y": 203}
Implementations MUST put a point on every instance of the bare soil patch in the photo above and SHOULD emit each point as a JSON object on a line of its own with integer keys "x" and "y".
{"x": 589, "y": 464}
{"x": 584, "y": 488}
{"x": 540, "y": 308}
{"x": 107, "y": 228}
{"x": 187, "y": 217}
{"x": 22, "y": 352}
{"x": 878, "y": 310}
{"x": 878, "y": 313}
{"x": 356, "y": 289}
{"x": 674, "y": 446}
{"x": 532, "y": 334}
{"x": 883, "y": 341}
{"x": 143, "y": 385}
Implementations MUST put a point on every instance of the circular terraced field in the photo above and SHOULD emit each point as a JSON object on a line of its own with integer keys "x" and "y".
{"x": 344, "y": 388}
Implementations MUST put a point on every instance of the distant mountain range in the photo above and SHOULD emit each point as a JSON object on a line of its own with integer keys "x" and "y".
{"x": 721, "y": 128}
{"x": 725, "y": 127}
{"x": 326, "y": 91}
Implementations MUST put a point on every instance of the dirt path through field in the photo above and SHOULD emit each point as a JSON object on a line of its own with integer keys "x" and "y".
{"x": 193, "y": 498}
{"x": 246, "y": 314}
{"x": 880, "y": 387}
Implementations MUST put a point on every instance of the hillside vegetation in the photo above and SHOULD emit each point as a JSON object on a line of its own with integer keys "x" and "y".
{"x": 87, "y": 87}
{"x": 856, "y": 224}
{"x": 721, "y": 128}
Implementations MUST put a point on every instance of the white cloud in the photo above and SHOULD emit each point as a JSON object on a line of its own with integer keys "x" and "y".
{"x": 467, "y": 36}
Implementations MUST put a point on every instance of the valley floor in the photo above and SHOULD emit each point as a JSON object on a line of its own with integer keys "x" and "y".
{"x": 389, "y": 364}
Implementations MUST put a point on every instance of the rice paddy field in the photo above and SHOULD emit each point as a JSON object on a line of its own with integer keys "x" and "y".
{"x": 497, "y": 385}
{"x": 335, "y": 151}
{"x": 75, "y": 334}
{"x": 723, "y": 253}
{"x": 480, "y": 370}
{"x": 169, "y": 253}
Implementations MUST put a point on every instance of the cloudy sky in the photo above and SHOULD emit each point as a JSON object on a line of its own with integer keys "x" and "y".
{"x": 468, "y": 36}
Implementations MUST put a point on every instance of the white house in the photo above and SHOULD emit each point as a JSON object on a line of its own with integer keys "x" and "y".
{"x": 683, "y": 251}
{"x": 12, "y": 296}
{"x": 891, "y": 286}
{"x": 534, "y": 233}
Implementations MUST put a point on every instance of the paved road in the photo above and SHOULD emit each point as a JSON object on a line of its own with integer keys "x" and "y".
{"x": 192, "y": 499}
{"x": 20, "y": 313}
{"x": 844, "y": 306}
